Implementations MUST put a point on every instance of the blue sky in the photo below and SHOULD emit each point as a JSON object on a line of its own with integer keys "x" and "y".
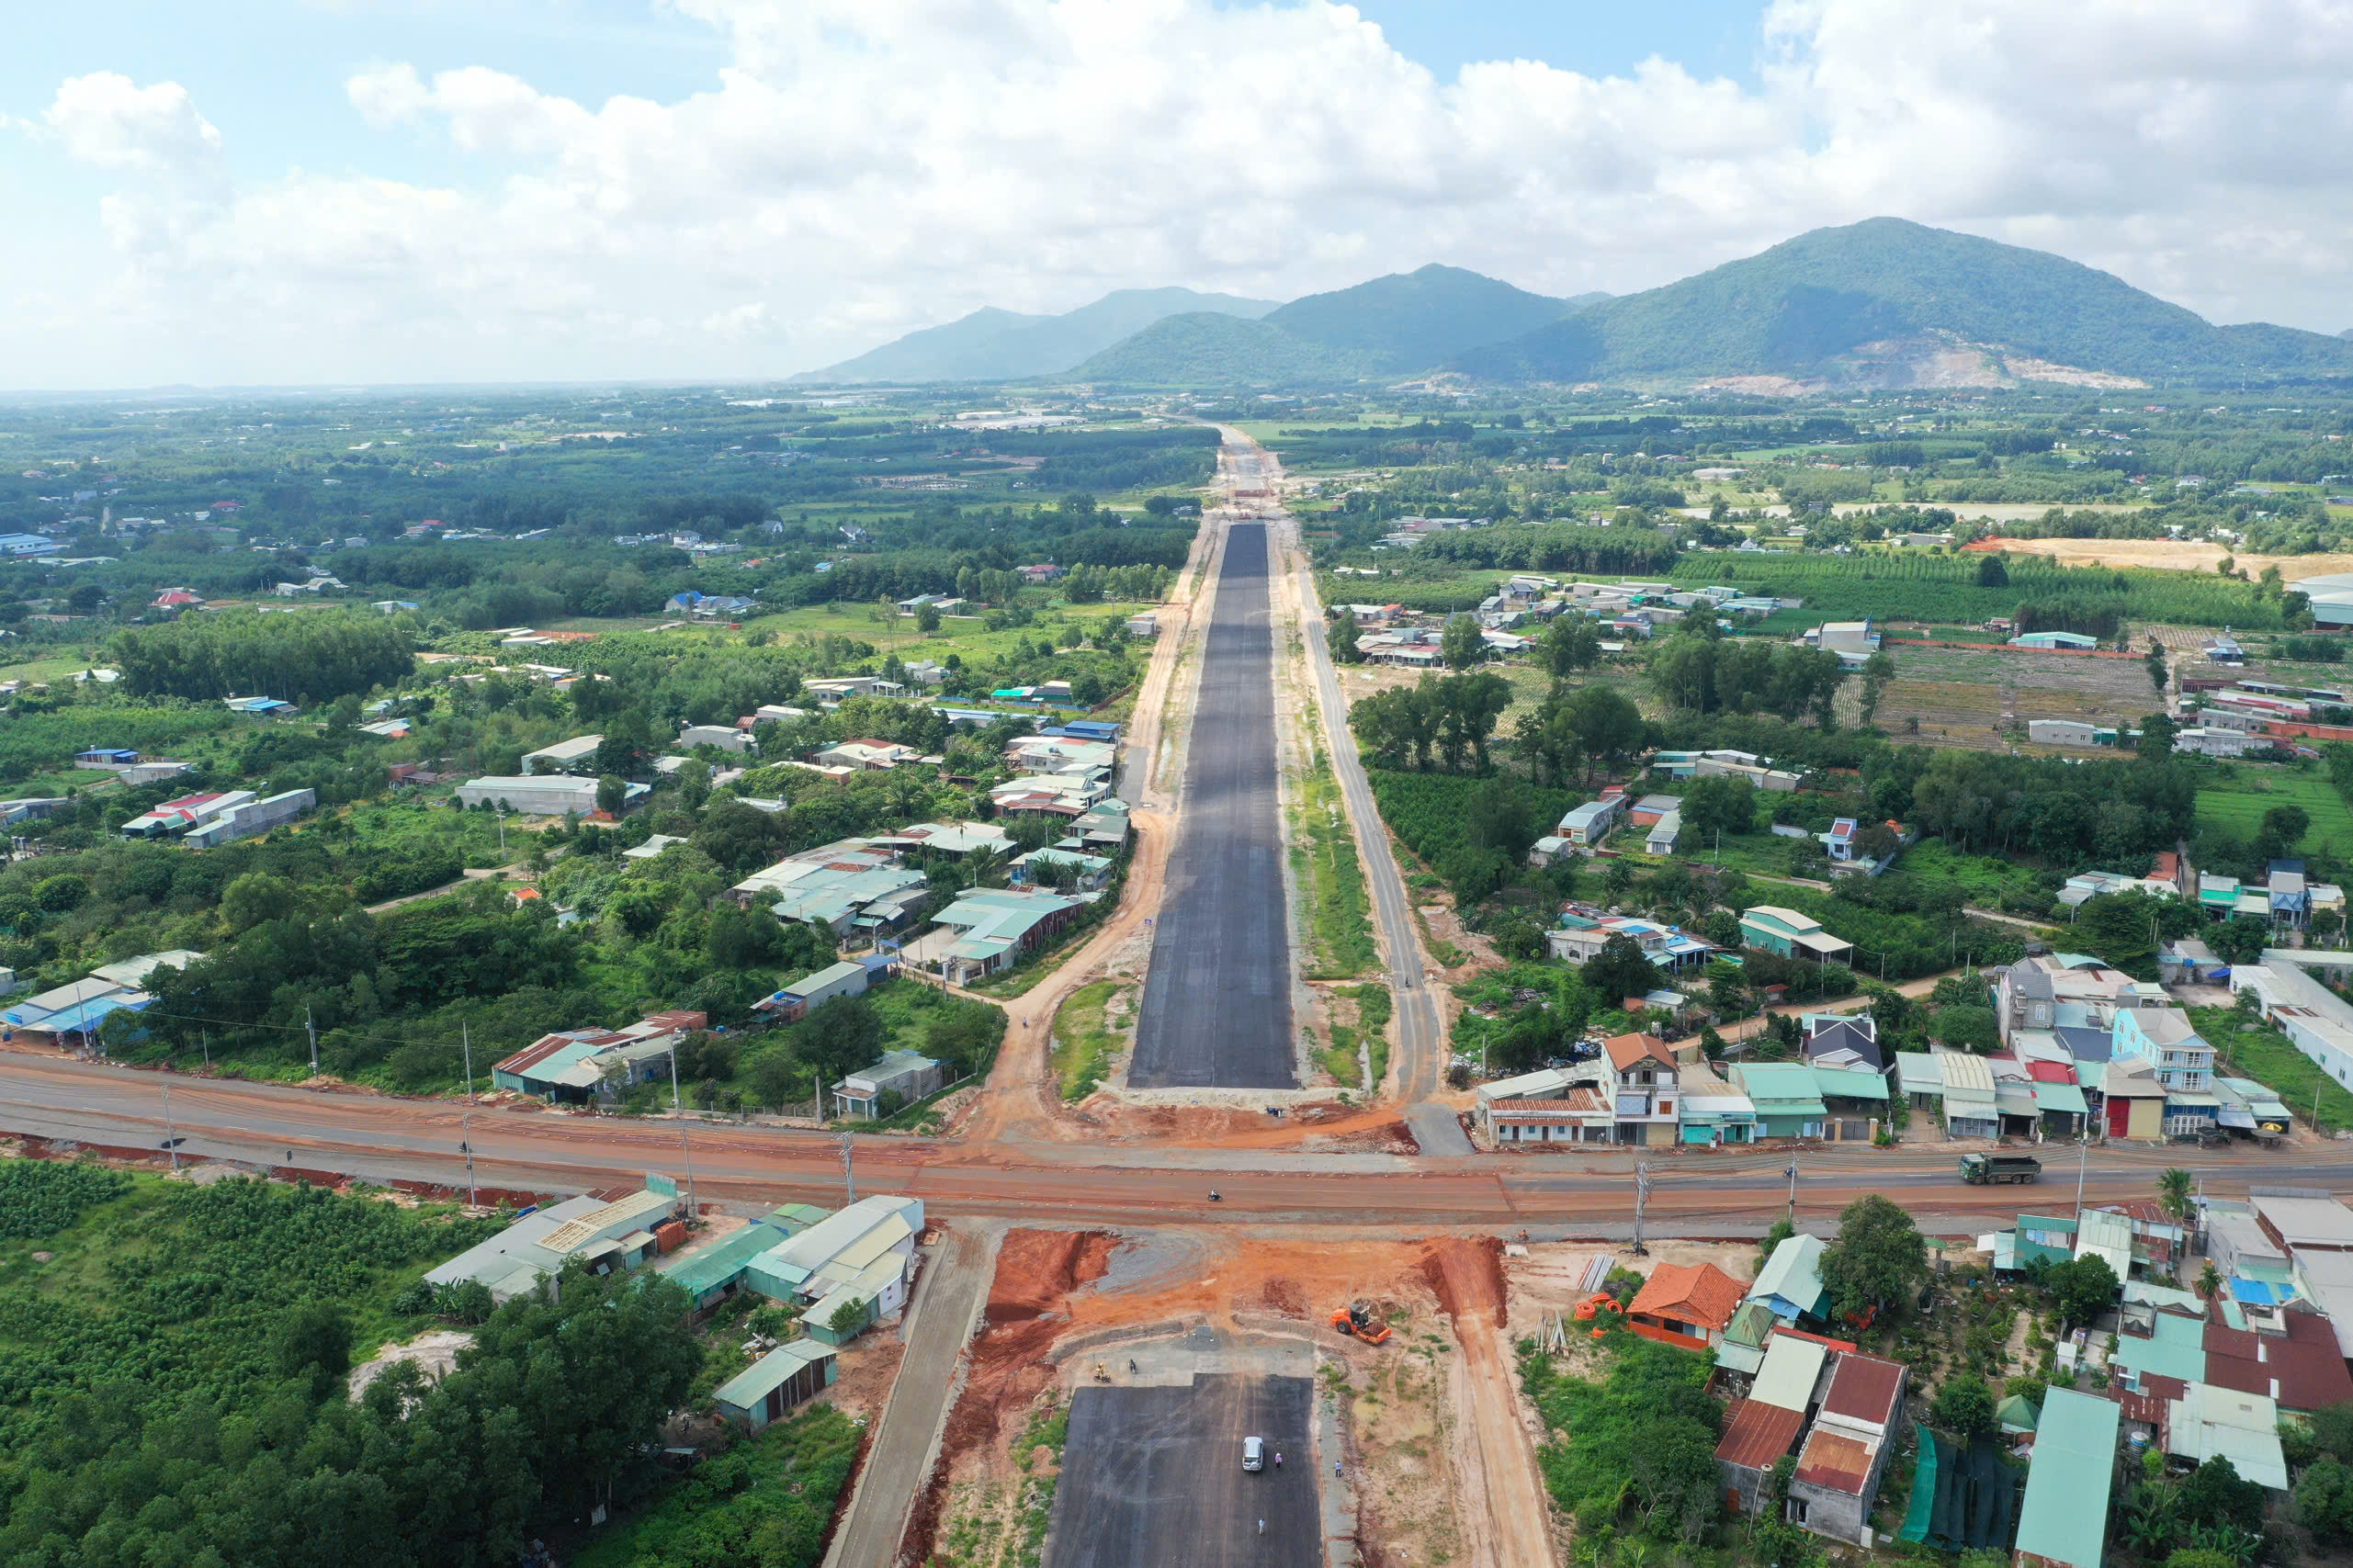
{"x": 430, "y": 189}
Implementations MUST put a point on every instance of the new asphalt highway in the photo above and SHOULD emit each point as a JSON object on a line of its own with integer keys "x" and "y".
{"x": 1216, "y": 1005}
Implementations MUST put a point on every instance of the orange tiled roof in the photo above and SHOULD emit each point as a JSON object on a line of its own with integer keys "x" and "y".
{"x": 1701, "y": 1294}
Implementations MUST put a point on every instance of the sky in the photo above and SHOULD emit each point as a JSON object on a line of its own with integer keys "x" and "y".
{"x": 355, "y": 191}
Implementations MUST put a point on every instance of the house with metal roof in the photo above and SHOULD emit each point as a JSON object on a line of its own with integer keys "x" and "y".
{"x": 1757, "y": 1437}
{"x": 861, "y": 1257}
{"x": 1787, "y": 1099}
{"x": 583, "y": 1064}
{"x": 1845, "y": 1455}
{"x": 987, "y": 929}
{"x": 846, "y": 978}
{"x": 1791, "y": 1282}
{"x": 1772, "y": 928}
{"x": 604, "y": 1237}
{"x": 2064, "y": 1521}
{"x": 1713, "y": 1112}
{"x": 1595, "y": 820}
{"x": 1971, "y": 1110}
{"x": 788, "y": 1376}
{"x": 905, "y": 1073}
{"x": 2212, "y": 1422}
{"x": 76, "y": 1012}
{"x": 707, "y": 1273}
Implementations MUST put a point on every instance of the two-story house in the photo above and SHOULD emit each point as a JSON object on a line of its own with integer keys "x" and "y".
{"x": 1643, "y": 1080}
{"x": 2181, "y": 1058}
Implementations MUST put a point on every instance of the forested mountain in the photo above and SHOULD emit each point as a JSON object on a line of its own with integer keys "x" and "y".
{"x": 1887, "y": 303}
{"x": 1413, "y": 320}
{"x": 1202, "y": 349}
{"x": 999, "y": 345}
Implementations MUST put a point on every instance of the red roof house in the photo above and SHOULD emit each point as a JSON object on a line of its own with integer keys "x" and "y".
{"x": 1686, "y": 1305}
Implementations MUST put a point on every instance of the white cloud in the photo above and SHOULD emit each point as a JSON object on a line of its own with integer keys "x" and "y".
{"x": 865, "y": 166}
{"x": 107, "y": 120}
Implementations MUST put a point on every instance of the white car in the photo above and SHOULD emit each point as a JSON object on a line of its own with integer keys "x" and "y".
{"x": 1253, "y": 1453}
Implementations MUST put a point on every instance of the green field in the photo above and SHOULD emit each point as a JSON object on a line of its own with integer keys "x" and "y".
{"x": 2272, "y": 1059}
{"x": 2238, "y": 808}
{"x": 963, "y": 635}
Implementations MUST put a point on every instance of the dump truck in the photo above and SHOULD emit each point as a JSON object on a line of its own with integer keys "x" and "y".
{"x": 1983, "y": 1170}
{"x": 1356, "y": 1318}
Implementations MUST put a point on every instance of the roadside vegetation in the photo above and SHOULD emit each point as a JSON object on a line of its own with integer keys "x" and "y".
{"x": 1085, "y": 1040}
{"x": 768, "y": 1500}
{"x": 1325, "y": 865}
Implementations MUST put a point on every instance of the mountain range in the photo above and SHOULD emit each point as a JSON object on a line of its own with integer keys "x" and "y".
{"x": 1006, "y": 346}
{"x": 1881, "y": 303}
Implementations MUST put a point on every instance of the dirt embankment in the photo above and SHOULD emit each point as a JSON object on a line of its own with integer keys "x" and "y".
{"x": 1006, "y": 1369}
{"x": 1505, "y": 1518}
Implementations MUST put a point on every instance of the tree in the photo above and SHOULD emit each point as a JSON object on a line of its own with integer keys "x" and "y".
{"x": 314, "y": 1343}
{"x": 1460, "y": 643}
{"x": 2282, "y": 827}
{"x": 2155, "y": 659}
{"x": 2210, "y": 1281}
{"x": 839, "y": 1037}
{"x": 849, "y": 1317}
{"x": 1964, "y": 1407}
{"x": 776, "y": 1079}
{"x": 1344, "y": 649}
{"x": 1877, "y": 672}
{"x": 2083, "y": 1287}
{"x": 256, "y": 898}
{"x": 2325, "y": 1503}
{"x": 1971, "y": 1029}
{"x": 1571, "y": 643}
{"x": 1720, "y": 805}
{"x": 2216, "y": 1494}
{"x": 1991, "y": 572}
{"x": 1876, "y": 1257}
{"x": 1620, "y": 970}
{"x": 2240, "y": 939}
{"x": 2158, "y": 731}
{"x": 2174, "y": 1188}
{"x": 927, "y": 618}
{"x": 611, "y": 792}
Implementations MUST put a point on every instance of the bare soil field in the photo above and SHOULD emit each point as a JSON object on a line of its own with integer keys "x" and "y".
{"x": 1964, "y": 696}
{"x": 2167, "y": 553}
{"x": 1432, "y": 1439}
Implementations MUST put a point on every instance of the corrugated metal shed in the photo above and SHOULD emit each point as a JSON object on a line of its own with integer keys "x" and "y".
{"x": 2064, "y": 1520}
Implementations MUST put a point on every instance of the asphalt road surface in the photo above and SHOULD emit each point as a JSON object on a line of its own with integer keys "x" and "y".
{"x": 1153, "y": 1478}
{"x": 1217, "y": 1007}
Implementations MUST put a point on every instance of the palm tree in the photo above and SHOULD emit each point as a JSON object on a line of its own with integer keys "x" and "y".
{"x": 2173, "y": 1192}
{"x": 1633, "y": 1553}
{"x": 2210, "y": 1281}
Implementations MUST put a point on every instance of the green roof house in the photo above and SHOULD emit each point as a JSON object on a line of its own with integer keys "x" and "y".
{"x": 1788, "y": 1104}
{"x": 2063, "y": 1522}
{"x": 1791, "y": 935}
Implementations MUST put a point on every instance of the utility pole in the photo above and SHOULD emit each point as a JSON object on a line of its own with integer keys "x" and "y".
{"x": 171, "y": 1139}
{"x": 312, "y": 1031}
{"x": 466, "y": 1040}
{"x": 501, "y": 834}
{"x": 1792, "y": 1174}
{"x": 1641, "y": 1196}
{"x": 2083, "y": 1159}
{"x": 849, "y": 1176}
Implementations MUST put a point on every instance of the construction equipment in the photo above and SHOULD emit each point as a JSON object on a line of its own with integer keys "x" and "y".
{"x": 1356, "y": 1318}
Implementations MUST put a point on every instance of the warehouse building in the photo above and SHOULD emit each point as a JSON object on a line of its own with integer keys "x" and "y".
{"x": 549, "y": 796}
{"x": 604, "y": 1237}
